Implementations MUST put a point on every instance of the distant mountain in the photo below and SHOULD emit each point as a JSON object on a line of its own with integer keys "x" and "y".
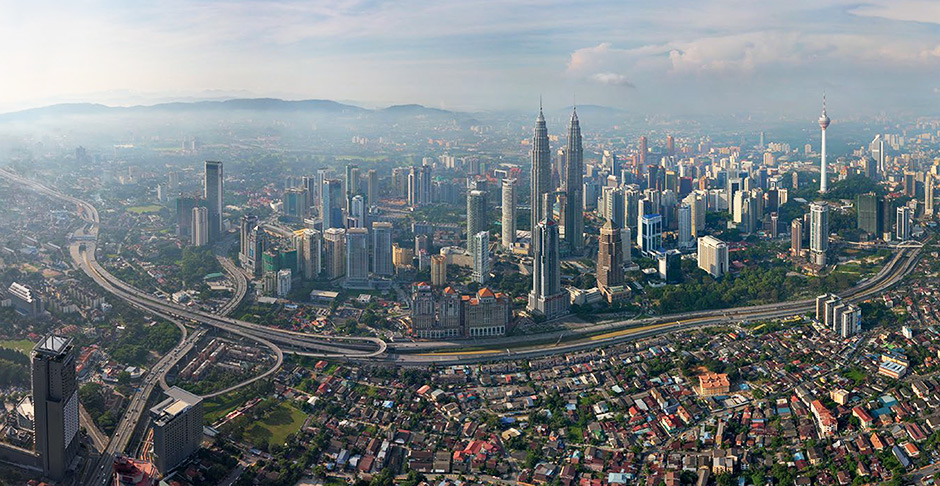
{"x": 415, "y": 110}
{"x": 248, "y": 104}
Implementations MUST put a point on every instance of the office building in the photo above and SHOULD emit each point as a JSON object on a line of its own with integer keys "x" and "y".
{"x": 670, "y": 266}
{"x": 480, "y": 254}
{"x": 331, "y": 199}
{"x": 308, "y": 245}
{"x": 485, "y": 314}
{"x": 372, "y": 187}
{"x": 213, "y": 194}
{"x": 796, "y": 237}
{"x": 357, "y": 217}
{"x": 642, "y": 151}
{"x": 382, "y": 249}
{"x": 294, "y": 202}
{"x": 184, "y": 215}
{"x": 352, "y": 185}
{"x": 819, "y": 232}
{"x": 547, "y": 297}
{"x": 438, "y": 270}
{"x": 476, "y": 215}
{"x": 334, "y": 253}
{"x": 870, "y": 211}
{"x": 611, "y": 206}
{"x": 928, "y": 195}
{"x": 541, "y": 172}
{"x": 248, "y": 223}
{"x": 713, "y": 256}
{"x": 357, "y": 258}
{"x": 24, "y": 299}
{"x": 650, "y": 238}
{"x": 402, "y": 257}
{"x": 55, "y": 405}
{"x": 177, "y": 428}
{"x": 284, "y": 277}
{"x": 877, "y": 148}
{"x": 508, "y": 220}
{"x": 574, "y": 187}
{"x": 610, "y": 279}
{"x": 626, "y": 238}
{"x": 201, "y": 230}
{"x": 686, "y": 239}
{"x": 902, "y": 227}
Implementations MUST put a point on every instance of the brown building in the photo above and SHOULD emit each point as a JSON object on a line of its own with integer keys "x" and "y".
{"x": 609, "y": 260}
{"x": 713, "y": 384}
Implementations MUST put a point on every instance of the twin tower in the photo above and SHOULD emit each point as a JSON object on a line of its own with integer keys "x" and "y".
{"x": 547, "y": 297}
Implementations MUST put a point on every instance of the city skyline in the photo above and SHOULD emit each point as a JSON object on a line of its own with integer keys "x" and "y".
{"x": 374, "y": 53}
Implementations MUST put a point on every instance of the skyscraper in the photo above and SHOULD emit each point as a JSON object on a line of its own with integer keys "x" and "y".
{"x": 547, "y": 297}
{"x": 352, "y": 185}
{"x": 541, "y": 172}
{"x": 476, "y": 214}
{"x": 438, "y": 270}
{"x": 201, "y": 227}
{"x": 928, "y": 195}
{"x": 372, "y": 188}
{"x": 382, "y": 249}
{"x": 334, "y": 252}
{"x": 184, "y": 215}
{"x": 819, "y": 231}
{"x": 55, "y": 404}
{"x": 248, "y": 223}
{"x": 480, "y": 254}
{"x": 309, "y": 253}
{"x": 642, "y": 151}
{"x": 796, "y": 237}
{"x": 574, "y": 182}
{"x": 357, "y": 258}
{"x": 177, "y": 428}
{"x": 330, "y": 211}
{"x": 609, "y": 258}
{"x": 713, "y": 256}
{"x": 823, "y": 124}
{"x": 685, "y": 226}
{"x": 213, "y": 195}
{"x": 508, "y": 223}
{"x": 650, "y": 239}
{"x": 903, "y": 225}
{"x": 870, "y": 213}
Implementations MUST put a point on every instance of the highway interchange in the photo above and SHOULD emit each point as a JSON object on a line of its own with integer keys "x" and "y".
{"x": 278, "y": 341}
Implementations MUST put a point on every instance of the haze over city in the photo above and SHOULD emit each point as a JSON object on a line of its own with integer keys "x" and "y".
{"x": 419, "y": 243}
{"x": 684, "y": 57}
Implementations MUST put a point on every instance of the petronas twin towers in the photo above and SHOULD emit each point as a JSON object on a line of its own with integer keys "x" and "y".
{"x": 547, "y": 297}
{"x": 573, "y": 184}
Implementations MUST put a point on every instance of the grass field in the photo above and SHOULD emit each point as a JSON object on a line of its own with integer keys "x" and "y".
{"x": 151, "y": 208}
{"x": 217, "y": 407}
{"x": 281, "y": 422}
{"x": 23, "y": 345}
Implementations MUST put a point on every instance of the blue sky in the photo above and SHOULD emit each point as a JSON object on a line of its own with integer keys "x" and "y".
{"x": 672, "y": 57}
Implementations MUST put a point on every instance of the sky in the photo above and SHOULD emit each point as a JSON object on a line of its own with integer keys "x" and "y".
{"x": 668, "y": 57}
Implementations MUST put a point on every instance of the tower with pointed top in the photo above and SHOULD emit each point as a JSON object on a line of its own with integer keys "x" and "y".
{"x": 574, "y": 187}
{"x": 541, "y": 172}
{"x": 823, "y": 124}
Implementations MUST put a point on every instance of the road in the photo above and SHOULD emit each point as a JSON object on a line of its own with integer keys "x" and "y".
{"x": 97, "y": 437}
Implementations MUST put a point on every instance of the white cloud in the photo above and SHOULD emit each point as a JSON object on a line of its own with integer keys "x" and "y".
{"x": 612, "y": 79}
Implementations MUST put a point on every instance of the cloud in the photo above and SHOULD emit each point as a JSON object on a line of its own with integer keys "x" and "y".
{"x": 612, "y": 79}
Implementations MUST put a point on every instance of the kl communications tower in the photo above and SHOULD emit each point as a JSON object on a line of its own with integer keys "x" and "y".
{"x": 823, "y": 124}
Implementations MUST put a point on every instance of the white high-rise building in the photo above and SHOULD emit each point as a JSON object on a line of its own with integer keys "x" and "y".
{"x": 685, "y": 226}
{"x": 284, "y": 277}
{"x": 200, "y": 230}
{"x": 928, "y": 195}
{"x": 903, "y": 224}
{"x": 650, "y": 238}
{"x": 481, "y": 256}
{"x": 713, "y": 256}
{"x": 819, "y": 231}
